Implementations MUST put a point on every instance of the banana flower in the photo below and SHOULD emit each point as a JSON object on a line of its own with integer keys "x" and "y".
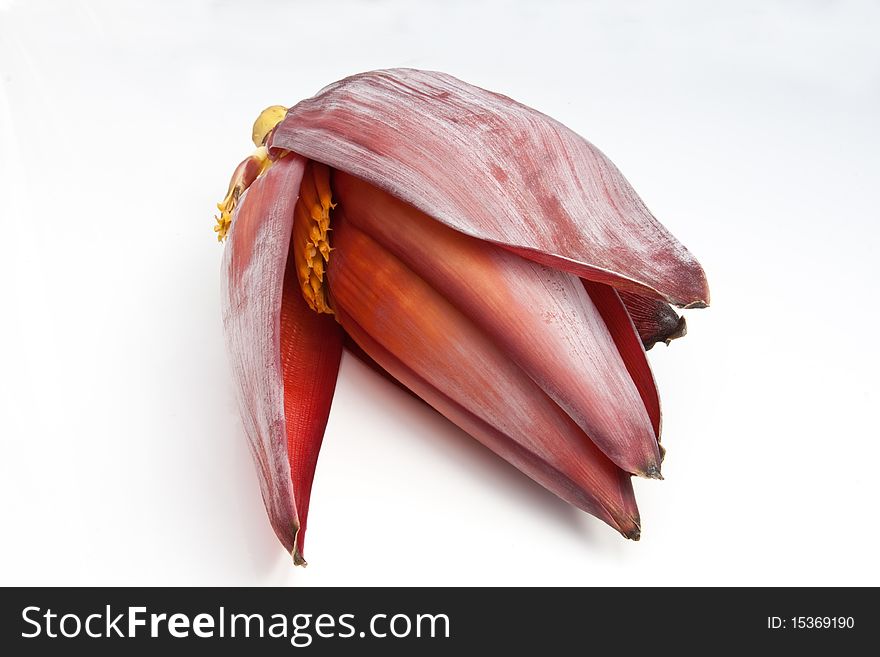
{"x": 480, "y": 253}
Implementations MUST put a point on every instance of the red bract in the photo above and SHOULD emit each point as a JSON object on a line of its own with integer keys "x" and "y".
{"x": 477, "y": 251}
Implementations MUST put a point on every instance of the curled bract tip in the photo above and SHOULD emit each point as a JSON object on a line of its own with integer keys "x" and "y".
{"x": 298, "y": 559}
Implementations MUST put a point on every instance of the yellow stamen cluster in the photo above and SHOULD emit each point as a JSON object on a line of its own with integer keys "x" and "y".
{"x": 311, "y": 242}
{"x": 224, "y": 221}
{"x": 250, "y": 169}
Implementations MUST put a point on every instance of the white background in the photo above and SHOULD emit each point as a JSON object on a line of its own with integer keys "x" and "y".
{"x": 749, "y": 128}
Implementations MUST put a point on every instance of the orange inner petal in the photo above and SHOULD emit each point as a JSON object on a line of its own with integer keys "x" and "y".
{"x": 310, "y": 241}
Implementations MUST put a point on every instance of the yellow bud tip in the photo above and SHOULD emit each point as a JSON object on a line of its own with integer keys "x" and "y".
{"x": 266, "y": 122}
